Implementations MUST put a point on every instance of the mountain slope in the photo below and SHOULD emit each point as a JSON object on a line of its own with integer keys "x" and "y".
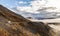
{"x": 13, "y": 24}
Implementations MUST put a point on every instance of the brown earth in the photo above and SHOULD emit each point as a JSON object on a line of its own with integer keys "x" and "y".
{"x": 12, "y": 24}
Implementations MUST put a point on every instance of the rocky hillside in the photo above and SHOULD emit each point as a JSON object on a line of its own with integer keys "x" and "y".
{"x": 12, "y": 24}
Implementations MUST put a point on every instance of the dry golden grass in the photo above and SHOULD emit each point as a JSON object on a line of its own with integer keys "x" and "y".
{"x": 22, "y": 29}
{"x": 19, "y": 26}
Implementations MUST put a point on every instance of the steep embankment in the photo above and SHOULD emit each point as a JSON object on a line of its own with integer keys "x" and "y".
{"x": 15, "y": 25}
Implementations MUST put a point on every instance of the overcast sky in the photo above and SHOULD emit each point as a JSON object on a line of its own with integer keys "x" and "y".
{"x": 31, "y": 6}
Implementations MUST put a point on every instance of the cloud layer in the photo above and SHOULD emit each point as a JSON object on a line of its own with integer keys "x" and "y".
{"x": 38, "y": 4}
{"x": 41, "y": 8}
{"x": 34, "y": 6}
